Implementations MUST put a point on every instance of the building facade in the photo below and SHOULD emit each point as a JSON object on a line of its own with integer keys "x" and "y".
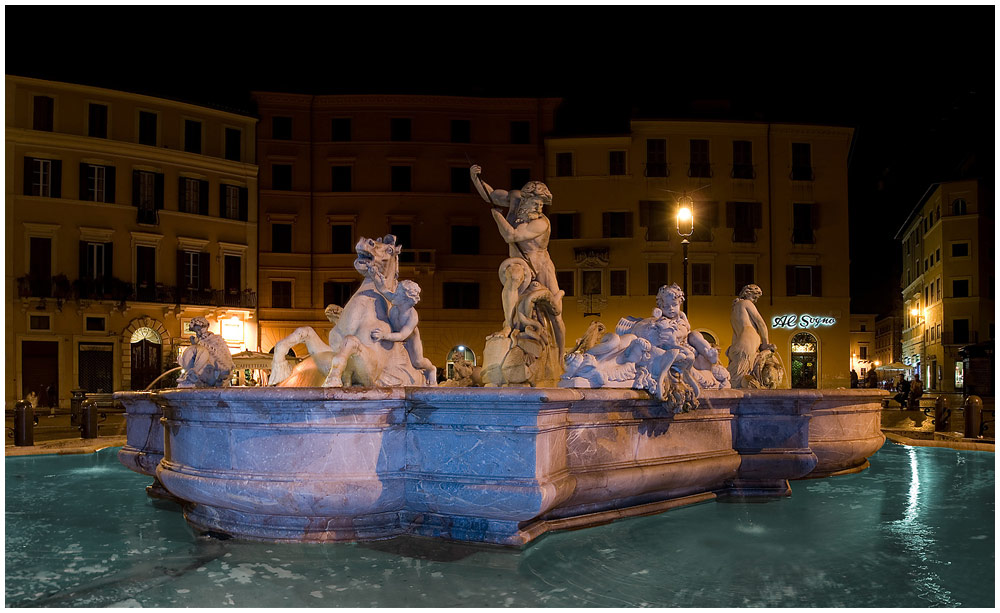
{"x": 863, "y": 331}
{"x": 888, "y": 343}
{"x": 126, "y": 216}
{"x": 948, "y": 245}
{"x": 340, "y": 167}
{"x": 770, "y": 208}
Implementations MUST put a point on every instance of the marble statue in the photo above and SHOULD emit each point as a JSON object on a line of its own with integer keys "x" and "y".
{"x": 364, "y": 349}
{"x": 208, "y": 361}
{"x": 660, "y": 354}
{"x": 529, "y": 349}
{"x": 466, "y": 375}
{"x": 753, "y": 360}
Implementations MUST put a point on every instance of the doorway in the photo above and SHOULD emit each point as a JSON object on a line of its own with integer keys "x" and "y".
{"x": 146, "y": 357}
{"x": 40, "y": 371}
{"x": 804, "y": 362}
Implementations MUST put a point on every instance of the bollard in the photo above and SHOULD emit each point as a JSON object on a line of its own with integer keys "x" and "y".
{"x": 88, "y": 420}
{"x": 942, "y": 415}
{"x": 24, "y": 424}
{"x": 973, "y": 417}
{"x": 75, "y": 406}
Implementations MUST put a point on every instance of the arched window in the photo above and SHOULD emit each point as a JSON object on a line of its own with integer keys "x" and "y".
{"x": 458, "y": 352}
{"x": 709, "y": 337}
{"x": 146, "y": 334}
{"x": 805, "y": 351}
{"x": 958, "y": 206}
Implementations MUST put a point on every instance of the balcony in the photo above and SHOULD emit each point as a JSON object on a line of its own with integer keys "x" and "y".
{"x": 963, "y": 338}
{"x": 116, "y": 290}
{"x": 743, "y": 171}
{"x": 802, "y": 173}
{"x": 147, "y": 216}
{"x": 700, "y": 169}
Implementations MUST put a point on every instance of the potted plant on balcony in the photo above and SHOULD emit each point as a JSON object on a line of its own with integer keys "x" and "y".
{"x": 61, "y": 290}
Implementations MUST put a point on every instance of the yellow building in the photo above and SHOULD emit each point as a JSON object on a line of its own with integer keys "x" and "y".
{"x": 770, "y": 208}
{"x": 888, "y": 346}
{"x": 863, "y": 344}
{"x": 335, "y": 168}
{"x": 948, "y": 279}
{"x": 126, "y": 216}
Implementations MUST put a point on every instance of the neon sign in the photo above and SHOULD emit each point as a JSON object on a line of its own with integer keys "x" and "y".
{"x": 802, "y": 321}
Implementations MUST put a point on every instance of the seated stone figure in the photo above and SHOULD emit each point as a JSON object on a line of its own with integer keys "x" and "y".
{"x": 403, "y": 321}
{"x": 208, "y": 361}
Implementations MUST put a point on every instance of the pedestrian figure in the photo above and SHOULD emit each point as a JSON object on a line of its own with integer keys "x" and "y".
{"x": 902, "y": 391}
{"x": 872, "y": 379}
{"x": 916, "y": 391}
{"x": 854, "y": 378}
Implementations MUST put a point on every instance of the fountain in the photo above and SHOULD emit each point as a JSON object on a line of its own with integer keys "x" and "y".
{"x": 354, "y": 444}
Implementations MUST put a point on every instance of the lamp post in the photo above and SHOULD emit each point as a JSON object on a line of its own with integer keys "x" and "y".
{"x": 685, "y": 228}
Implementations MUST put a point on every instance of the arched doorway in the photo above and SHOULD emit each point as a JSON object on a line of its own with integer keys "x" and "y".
{"x": 458, "y": 352}
{"x": 146, "y": 357}
{"x": 804, "y": 361}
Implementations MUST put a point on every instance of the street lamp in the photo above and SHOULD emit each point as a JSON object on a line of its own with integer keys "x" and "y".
{"x": 685, "y": 228}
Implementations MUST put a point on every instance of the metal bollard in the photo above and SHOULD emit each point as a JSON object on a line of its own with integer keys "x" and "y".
{"x": 75, "y": 408}
{"x": 88, "y": 420}
{"x": 973, "y": 417}
{"x": 942, "y": 415}
{"x": 24, "y": 424}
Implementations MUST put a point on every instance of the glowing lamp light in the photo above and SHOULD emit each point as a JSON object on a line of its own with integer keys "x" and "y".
{"x": 461, "y": 347}
{"x": 232, "y": 330}
{"x": 914, "y": 311}
{"x": 685, "y": 216}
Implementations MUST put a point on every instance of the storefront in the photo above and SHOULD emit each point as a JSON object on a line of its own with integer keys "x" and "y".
{"x": 808, "y": 340}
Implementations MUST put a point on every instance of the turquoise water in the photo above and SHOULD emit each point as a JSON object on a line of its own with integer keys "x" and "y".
{"x": 915, "y": 530}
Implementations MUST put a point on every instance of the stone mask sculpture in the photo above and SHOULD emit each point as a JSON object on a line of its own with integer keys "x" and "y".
{"x": 660, "y": 354}
{"x": 528, "y": 350}
{"x": 374, "y": 340}
{"x": 208, "y": 361}
{"x": 753, "y": 361}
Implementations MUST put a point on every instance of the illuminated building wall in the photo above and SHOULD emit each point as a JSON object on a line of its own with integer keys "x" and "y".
{"x": 771, "y": 208}
{"x": 126, "y": 216}
{"x": 339, "y": 167}
{"x": 948, "y": 278}
{"x": 863, "y": 332}
{"x": 888, "y": 332}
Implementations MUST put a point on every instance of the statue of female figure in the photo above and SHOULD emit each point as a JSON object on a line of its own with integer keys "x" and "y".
{"x": 749, "y": 336}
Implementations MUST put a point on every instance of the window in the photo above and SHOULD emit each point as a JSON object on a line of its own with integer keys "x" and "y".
{"x": 619, "y": 282}
{"x": 960, "y": 331}
{"x": 230, "y": 202}
{"x": 656, "y": 157}
{"x": 95, "y": 324}
{"x": 400, "y": 129}
{"x": 802, "y": 223}
{"x": 700, "y": 165}
{"x": 706, "y": 217}
{"x": 590, "y": 280}
{"x": 744, "y": 218}
{"x": 960, "y": 250}
{"x": 960, "y": 288}
{"x": 42, "y": 117}
{"x": 959, "y": 206}
{"x": 803, "y": 280}
{"x": 192, "y": 136}
{"x": 281, "y": 238}
{"x": 97, "y": 183}
{"x": 465, "y": 240}
{"x": 42, "y": 177}
{"x": 461, "y": 295}
{"x": 39, "y": 322}
{"x": 340, "y": 178}
{"x": 191, "y": 279}
{"x": 743, "y": 275}
{"x": 565, "y": 225}
{"x": 404, "y": 239}
{"x": 97, "y": 120}
{"x": 145, "y": 273}
{"x": 564, "y": 164}
{"x": 520, "y": 132}
{"x": 802, "y": 162}
{"x": 656, "y": 274}
{"x": 655, "y": 216}
{"x": 340, "y": 129}
{"x": 40, "y": 266}
{"x": 281, "y": 128}
{"x": 234, "y": 144}
{"x": 281, "y": 176}
{"x": 701, "y": 279}
{"x": 567, "y": 281}
{"x": 616, "y": 163}
{"x": 400, "y": 178}
{"x": 342, "y": 239}
{"x": 147, "y": 128}
{"x": 338, "y": 292}
{"x": 937, "y": 255}
{"x": 95, "y": 260}
{"x": 147, "y": 190}
{"x": 617, "y": 225}
{"x": 743, "y": 159}
{"x": 191, "y": 200}
{"x": 519, "y": 177}
{"x": 460, "y": 181}
{"x": 461, "y": 131}
{"x": 863, "y": 351}
{"x": 281, "y": 294}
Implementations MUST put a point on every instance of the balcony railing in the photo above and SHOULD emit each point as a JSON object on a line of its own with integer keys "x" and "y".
{"x": 111, "y": 288}
{"x": 969, "y": 338}
{"x": 700, "y": 169}
{"x": 743, "y": 171}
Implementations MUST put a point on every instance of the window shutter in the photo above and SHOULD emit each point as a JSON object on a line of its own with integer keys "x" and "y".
{"x": 158, "y": 191}
{"x": 222, "y": 200}
{"x": 814, "y": 211}
{"x": 203, "y": 197}
{"x": 181, "y": 193}
{"x": 606, "y": 221}
{"x": 790, "y": 281}
{"x": 758, "y": 219}
{"x": 204, "y": 261}
{"x": 644, "y": 213}
{"x": 29, "y": 167}
{"x": 628, "y": 220}
{"x": 817, "y": 280}
{"x": 730, "y": 214}
{"x": 244, "y": 204}
{"x": 135, "y": 188}
{"x": 109, "y": 184}
{"x": 83, "y": 260}
{"x": 56, "y": 191}
{"x": 181, "y": 264}
{"x": 109, "y": 259}
{"x": 84, "y": 168}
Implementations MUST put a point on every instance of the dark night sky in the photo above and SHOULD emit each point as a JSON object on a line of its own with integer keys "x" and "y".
{"x": 915, "y": 82}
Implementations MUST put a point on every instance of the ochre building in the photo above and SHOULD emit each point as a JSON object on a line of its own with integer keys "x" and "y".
{"x": 126, "y": 216}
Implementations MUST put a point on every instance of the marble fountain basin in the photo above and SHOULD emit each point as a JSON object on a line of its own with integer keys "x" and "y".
{"x": 489, "y": 465}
